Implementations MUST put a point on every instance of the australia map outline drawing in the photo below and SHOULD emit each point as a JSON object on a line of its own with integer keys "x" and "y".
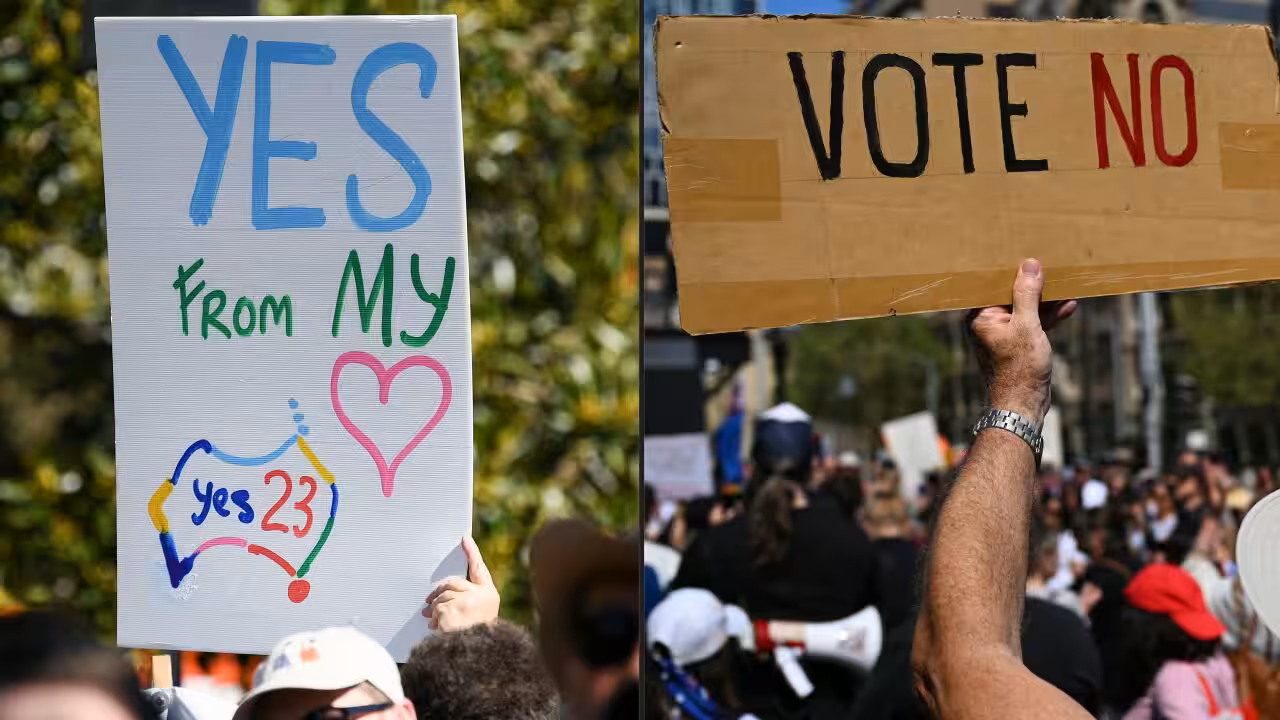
{"x": 179, "y": 567}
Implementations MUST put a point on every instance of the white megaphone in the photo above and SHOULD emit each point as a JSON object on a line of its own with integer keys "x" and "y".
{"x": 854, "y": 641}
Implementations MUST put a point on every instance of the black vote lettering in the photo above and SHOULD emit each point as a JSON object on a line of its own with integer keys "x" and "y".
{"x": 915, "y": 168}
{"x": 828, "y": 161}
{"x": 958, "y": 62}
{"x": 1004, "y": 61}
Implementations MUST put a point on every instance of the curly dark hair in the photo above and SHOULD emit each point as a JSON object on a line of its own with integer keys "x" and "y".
{"x": 485, "y": 672}
{"x": 1147, "y": 642}
{"x": 45, "y": 648}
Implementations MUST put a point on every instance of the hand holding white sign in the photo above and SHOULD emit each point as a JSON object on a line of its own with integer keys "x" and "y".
{"x": 456, "y": 603}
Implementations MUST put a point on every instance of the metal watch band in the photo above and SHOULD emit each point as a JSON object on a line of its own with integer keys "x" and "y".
{"x": 1016, "y": 424}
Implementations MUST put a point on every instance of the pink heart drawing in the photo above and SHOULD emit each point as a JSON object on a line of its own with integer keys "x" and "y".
{"x": 385, "y": 376}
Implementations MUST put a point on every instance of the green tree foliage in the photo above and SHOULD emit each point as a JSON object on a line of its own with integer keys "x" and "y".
{"x": 886, "y": 359}
{"x": 550, "y": 93}
{"x": 1230, "y": 342}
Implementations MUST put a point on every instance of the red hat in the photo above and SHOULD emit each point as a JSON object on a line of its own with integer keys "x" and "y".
{"x": 1169, "y": 590}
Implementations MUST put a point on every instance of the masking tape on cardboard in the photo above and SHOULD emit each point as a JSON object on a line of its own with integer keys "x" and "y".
{"x": 712, "y": 180}
{"x": 1249, "y": 156}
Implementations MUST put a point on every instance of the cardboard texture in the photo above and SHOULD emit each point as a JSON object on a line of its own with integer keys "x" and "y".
{"x": 1127, "y": 157}
{"x": 290, "y": 325}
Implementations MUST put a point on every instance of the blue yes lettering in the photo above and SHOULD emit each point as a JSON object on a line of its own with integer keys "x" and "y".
{"x": 219, "y": 121}
{"x": 217, "y": 499}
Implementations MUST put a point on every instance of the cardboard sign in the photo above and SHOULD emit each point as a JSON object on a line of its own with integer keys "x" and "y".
{"x": 824, "y": 168}
{"x": 291, "y": 331}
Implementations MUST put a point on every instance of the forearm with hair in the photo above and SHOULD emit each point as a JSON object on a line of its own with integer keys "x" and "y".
{"x": 966, "y": 656}
{"x": 977, "y": 571}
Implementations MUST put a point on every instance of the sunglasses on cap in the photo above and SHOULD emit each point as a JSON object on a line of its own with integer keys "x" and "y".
{"x": 346, "y": 713}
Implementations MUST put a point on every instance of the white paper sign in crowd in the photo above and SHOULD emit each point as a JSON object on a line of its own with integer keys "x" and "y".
{"x": 287, "y": 238}
{"x": 912, "y": 442}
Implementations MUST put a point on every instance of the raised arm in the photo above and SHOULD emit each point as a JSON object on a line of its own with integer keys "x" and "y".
{"x": 966, "y": 655}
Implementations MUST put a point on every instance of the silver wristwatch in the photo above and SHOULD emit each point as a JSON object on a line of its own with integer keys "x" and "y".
{"x": 1016, "y": 424}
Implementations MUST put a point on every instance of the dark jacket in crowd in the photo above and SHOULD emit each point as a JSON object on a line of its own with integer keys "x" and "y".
{"x": 1056, "y": 647}
{"x": 896, "y": 564}
{"x": 829, "y": 572}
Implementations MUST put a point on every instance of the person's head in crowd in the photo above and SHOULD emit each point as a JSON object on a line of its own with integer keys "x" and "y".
{"x": 1165, "y": 620}
{"x": 328, "y": 674}
{"x": 1191, "y": 491}
{"x": 888, "y": 480}
{"x": 886, "y": 517}
{"x": 1071, "y": 499}
{"x": 930, "y": 491}
{"x": 1208, "y": 540}
{"x": 782, "y": 445}
{"x": 1051, "y": 514}
{"x": 1134, "y": 523}
{"x": 1161, "y": 501}
{"x": 586, "y": 588}
{"x": 1214, "y": 465}
{"x": 1238, "y": 502}
{"x": 490, "y": 671}
{"x": 1104, "y": 537}
{"x": 845, "y": 485}
{"x": 52, "y": 668}
{"x": 1050, "y": 479}
{"x": 1116, "y": 478}
{"x": 692, "y": 645}
{"x": 1188, "y": 459}
{"x": 1042, "y": 553}
{"x": 707, "y": 512}
{"x": 849, "y": 459}
{"x": 1265, "y": 483}
{"x": 694, "y": 516}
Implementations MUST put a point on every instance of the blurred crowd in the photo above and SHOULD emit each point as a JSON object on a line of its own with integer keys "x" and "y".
{"x": 797, "y": 597}
{"x": 581, "y": 661}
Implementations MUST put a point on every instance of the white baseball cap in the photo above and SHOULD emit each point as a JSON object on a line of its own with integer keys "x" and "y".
{"x": 692, "y": 624}
{"x": 329, "y": 659}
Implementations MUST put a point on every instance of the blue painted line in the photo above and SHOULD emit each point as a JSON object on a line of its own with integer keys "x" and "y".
{"x": 178, "y": 569}
{"x": 263, "y": 460}
{"x": 333, "y": 508}
{"x": 204, "y": 445}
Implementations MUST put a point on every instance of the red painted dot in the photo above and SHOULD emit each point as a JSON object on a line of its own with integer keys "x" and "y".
{"x": 298, "y": 590}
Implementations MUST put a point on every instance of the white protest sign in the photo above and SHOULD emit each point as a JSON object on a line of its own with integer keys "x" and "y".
{"x": 912, "y": 442}
{"x": 287, "y": 237}
{"x": 1053, "y": 453}
{"x": 678, "y": 467}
